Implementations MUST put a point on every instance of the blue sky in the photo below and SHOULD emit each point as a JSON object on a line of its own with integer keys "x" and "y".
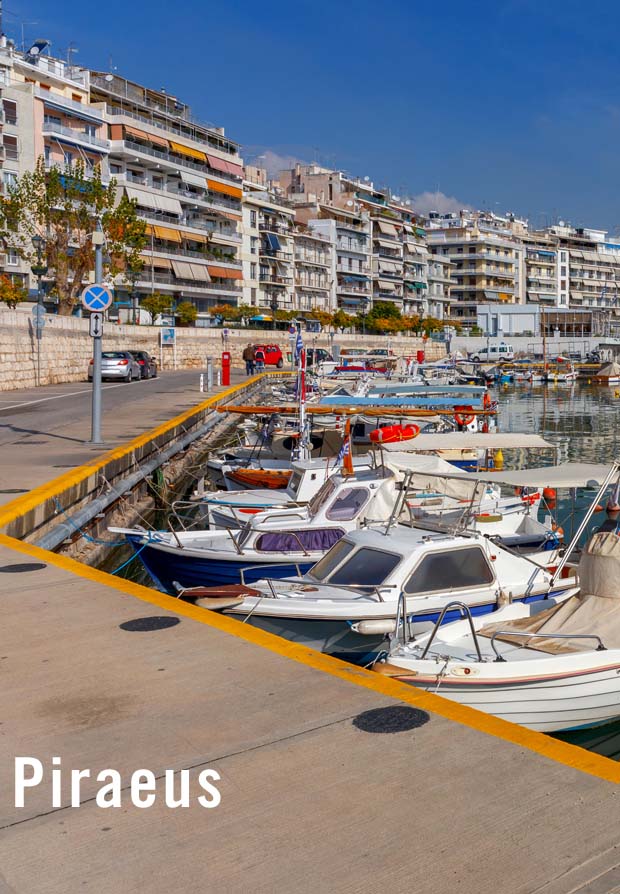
{"x": 508, "y": 105}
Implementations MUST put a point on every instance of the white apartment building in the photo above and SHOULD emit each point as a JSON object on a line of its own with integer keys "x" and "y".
{"x": 268, "y": 250}
{"x": 313, "y": 270}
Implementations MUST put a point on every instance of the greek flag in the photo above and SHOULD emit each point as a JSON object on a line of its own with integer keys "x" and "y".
{"x": 299, "y": 345}
{"x": 344, "y": 450}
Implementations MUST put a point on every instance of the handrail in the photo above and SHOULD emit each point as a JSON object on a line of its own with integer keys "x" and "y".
{"x": 600, "y": 648}
{"x": 466, "y": 611}
{"x": 267, "y": 565}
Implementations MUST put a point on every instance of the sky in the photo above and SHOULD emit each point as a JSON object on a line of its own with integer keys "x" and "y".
{"x": 512, "y": 105}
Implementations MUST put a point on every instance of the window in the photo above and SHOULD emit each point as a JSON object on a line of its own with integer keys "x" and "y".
{"x": 114, "y": 169}
{"x": 10, "y": 148}
{"x": 68, "y": 158}
{"x": 10, "y": 111}
{"x": 253, "y": 219}
{"x": 12, "y": 258}
{"x": 158, "y": 183}
{"x": 314, "y": 539}
{"x": 348, "y": 505}
{"x": 451, "y": 570}
{"x": 330, "y": 560}
{"x": 76, "y": 97}
{"x": 253, "y": 271}
{"x": 366, "y": 566}
{"x": 253, "y": 295}
{"x": 52, "y": 119}
{"x": 254, "y": 245}
{"x": 90, "y": 130}
{"x": 10, "y": 179}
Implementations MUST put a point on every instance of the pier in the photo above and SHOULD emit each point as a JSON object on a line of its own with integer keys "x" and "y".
{"x": 332, "y": 777}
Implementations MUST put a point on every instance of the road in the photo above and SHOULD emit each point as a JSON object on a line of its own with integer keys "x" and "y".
{"x": 45, "y": 430}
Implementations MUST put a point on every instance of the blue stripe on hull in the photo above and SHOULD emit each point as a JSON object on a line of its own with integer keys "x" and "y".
{"x": 191, "y": 571}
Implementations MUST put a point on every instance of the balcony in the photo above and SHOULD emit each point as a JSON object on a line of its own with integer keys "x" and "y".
{"x": 271, "y": 254}
{"x": 175, "y": 161}
{"x": 76, "y": 136}
{"x": 274, "y": 280}
{"x": 185, "y": 284}
{"x": 359, "y": 271}
{"x": 63, "y": 102}
{"x": 265, "y": 226}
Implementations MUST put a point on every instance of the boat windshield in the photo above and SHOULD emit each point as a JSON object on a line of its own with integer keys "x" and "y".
{"x": 293, "y": 484}
{"x": 321, "y": 496}
{"x": 367, "y": 566}
{"x": 334, "y": 557}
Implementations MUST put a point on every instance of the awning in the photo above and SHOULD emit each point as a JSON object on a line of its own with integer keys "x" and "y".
{"x": 200, "y": 272}
{"x": 146, "y": 199}
{"x": 567, "y": 475}
{"x": 224, "y": 272}
{"x": 353, "y": 277}
{"x": 188, "y": 151}
{"x": 194, "y": 179}
{"x": 162, "y": 263}
{"x": 387, "y": 285}
{"x": 182, "y": 270}
{"x": 218, "y": 164}
{"x": 169, "y": 204}
{"x": 469, "y": 441}
{"x": 167, "y": 233}
{"x": 384, "y": 243}
{"x": 387, "y": 228}
{"x": 387, "y": 267}
{"x": 216, "y": 186}
{"x": 194, "y": 237}
{"x": 273, "y": 242}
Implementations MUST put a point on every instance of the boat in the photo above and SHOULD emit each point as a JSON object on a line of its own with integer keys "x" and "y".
{"x": 551, "y": 669}
{"x": 608, "y": 374}
{"x": 346, "y": 605}
{"x": 561, "y": 372}
{"x": 273, "y": 479}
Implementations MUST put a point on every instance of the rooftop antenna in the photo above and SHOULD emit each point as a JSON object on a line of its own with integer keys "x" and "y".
{"x": 71, "y": 50}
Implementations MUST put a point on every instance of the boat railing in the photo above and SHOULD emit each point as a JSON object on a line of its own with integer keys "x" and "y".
{"x": 189, "y": 521}
{"x": 498, "y": 657}
{"x": 466, "y": 614}
{"x": 262, "y": 565}
{"x": 315, "y": 585}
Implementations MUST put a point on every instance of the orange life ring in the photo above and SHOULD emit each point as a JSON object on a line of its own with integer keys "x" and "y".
{"x": 390, "y": 434}
{"x": 463, "y": 415}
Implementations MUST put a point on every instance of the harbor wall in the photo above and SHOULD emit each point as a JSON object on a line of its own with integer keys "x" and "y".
{"x": 66, "y": 347}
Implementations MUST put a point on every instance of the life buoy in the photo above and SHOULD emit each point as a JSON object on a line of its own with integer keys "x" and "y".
{"x": 390, "y": 434}
{"x": 463, "y": 415}
{"x": 486, "y": 400}
{"x": 550, "y": 495}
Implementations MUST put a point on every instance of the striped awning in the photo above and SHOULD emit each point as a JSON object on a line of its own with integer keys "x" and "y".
{"x": 224, "y": 272}
{"x": 188, "y": 151}
{"x": 167, "y": 233}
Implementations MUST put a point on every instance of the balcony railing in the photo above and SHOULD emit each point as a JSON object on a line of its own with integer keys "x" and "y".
{"x": 169, "y": 279}
{"x": 271, "y": 254}
{"x": 177, "y": 161}
{"x": 189, "y": 253}
{"x": 265, "y": 226}
{"x": 77, "y": 135}
{"x": 65, "y": 102}
{"x": 275, "y": 280}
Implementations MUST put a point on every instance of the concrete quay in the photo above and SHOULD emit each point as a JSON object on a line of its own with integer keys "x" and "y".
{"x": 333, "y": 779}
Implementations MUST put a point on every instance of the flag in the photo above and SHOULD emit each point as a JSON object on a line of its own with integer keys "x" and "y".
{"x": 344, "y": 454}
{"x": 299, "y": 345}
{"x": 343, "y": 451}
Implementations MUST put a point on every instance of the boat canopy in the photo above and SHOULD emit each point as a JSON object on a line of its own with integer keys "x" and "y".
{"x": 469, "y": 441}
{"x": 565, "y": 476}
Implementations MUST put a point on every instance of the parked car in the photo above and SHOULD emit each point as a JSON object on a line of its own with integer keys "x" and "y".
{"x": 148, "y": 364}
{"x": 502, "y": 351}
{"x": 273, "y": 355}
{"x": 317, "y": 355}
{"x": 117, "y": 365}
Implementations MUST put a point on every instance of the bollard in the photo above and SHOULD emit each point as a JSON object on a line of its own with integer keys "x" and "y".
{"x": 202, "y": 383}
{"x": 209, "y": 374}
{"x": 219, "y": 377}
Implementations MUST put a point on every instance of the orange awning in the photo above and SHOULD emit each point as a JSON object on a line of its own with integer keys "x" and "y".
{"x": 167, "y": 233}
{"x": 224, "y": 272}
{"x": 196, "y": 237}
{"x": 216, "y": 186}
{"x": 187, "y": 150}
{"x": 116, "y": 131}
{"x": 140, "y": 134}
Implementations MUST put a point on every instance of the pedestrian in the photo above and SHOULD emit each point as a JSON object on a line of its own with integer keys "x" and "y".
{"x": 249, "y": 355}
{"x": 259, "y": 359}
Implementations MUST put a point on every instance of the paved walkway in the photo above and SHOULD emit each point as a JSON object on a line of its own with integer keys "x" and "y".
{"x": 316, "y": 795}
{"x": 44, "y": 431}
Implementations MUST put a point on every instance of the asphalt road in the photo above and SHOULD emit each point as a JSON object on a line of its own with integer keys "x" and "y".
{"x": 50, "y": 408}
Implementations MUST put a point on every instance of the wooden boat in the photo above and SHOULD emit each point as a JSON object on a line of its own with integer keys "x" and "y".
{"x": 609, "y": 374}
{"x": 272, "y": 479}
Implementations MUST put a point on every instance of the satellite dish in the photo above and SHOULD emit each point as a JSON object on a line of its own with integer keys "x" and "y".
{"x": 396, "y": 198}
{"x": 109, "y": 78}
{"x": 37, "y": 48}
{"x": 367, "y": 179}
{"x": 349, "y": 204}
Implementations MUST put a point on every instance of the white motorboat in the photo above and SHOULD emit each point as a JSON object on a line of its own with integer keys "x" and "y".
{"x": 555, "y": 669}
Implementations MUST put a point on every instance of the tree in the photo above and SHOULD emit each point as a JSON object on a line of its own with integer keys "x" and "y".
{"x": 343, "y": 320}
{"x": 62, "y": 207}
{"x": 323, "y": 316}
{"x": 12, "y": 293}
{"x": 386, "y": 324}
{"x": 156, "y": 303}
{"x": 186, "y": 313}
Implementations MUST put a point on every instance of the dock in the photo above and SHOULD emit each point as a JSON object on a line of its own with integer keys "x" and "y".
{"x": 332, "y": 778}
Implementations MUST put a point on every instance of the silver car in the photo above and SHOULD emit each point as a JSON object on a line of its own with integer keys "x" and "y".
{"x": 117, "y": 365}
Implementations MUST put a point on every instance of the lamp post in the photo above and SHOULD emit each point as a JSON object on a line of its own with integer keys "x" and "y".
{"x": 39, "y": 270}
{"x": 274, "y": 308}
{"x": 364, "y": 312}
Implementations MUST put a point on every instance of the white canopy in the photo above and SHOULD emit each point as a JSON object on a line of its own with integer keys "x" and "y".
{"x": 566, "y": 475}
{"x": 469, "y": 441}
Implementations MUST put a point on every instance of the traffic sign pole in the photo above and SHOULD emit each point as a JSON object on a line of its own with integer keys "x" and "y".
{"x": 95, "y": 433}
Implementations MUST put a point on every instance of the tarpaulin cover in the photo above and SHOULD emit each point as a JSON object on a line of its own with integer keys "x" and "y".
{"x": 317, "y": 540}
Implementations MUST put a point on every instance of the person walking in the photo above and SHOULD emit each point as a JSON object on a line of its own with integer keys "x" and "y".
{"x": 249, "y": 356}
{"x": 259, "y": 359}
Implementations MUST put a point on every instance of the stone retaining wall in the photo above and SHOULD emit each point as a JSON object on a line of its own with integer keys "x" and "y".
{"x": 66, "y": 346}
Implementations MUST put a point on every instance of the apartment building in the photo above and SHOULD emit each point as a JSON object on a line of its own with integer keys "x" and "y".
{"x": 589, "y": 267}
{"x": 438, "y": 299}
{"x": 487, "y": 259}
{"x": 268, "y": 250}
{"x": 46, "y": 113}
{"x": 186, "y": 179}
{"x": 313, "y": 269}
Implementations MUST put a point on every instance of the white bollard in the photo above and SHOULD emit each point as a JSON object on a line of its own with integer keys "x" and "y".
{"x": 219, "y": 377}
{"x": 202, "y": 382}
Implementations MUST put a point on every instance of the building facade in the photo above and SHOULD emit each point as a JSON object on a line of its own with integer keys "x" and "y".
{"x": 268, "y": 250}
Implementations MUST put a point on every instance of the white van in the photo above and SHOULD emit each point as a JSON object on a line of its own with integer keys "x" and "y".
{"x": 493, "y": 353}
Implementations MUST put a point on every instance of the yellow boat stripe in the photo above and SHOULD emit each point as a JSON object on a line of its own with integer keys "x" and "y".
{"x": 561, "y": 752}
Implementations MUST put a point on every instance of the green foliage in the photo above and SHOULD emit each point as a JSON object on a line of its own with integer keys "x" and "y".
{"x": 343, "y": 320}
{"x": 384, "y": 310}
{"x": 62, "y": 207}
{"x": 186, "y": 313}
{"x": 156, "y": 303}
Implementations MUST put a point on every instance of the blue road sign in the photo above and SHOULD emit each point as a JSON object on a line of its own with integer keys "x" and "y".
{"x": 96, "y": 297}
{"x": 168, "y": 335}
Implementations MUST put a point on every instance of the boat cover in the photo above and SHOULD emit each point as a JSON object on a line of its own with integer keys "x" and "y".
{"x": 595, "y": 610}
{"x": 468, "y": 440}
{"x": 610, "y": 370}
{"x": 566, "y": 475}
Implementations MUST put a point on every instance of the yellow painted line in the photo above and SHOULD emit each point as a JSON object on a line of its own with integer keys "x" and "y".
{"x": 561, "y": 752}
{"x": 21, "y": 505}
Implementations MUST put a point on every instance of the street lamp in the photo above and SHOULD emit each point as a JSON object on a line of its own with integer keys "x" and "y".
{"x": 364, "y": 311}
{"x": 39, "y": 269}
{"x": 274, "y": 307}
